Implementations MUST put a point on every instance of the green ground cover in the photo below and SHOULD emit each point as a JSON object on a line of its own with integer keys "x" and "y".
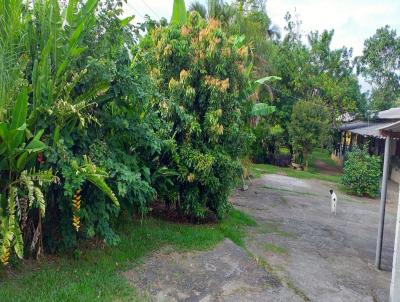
{"x": 313, "y": 171}
{"x": 95, "y": 276}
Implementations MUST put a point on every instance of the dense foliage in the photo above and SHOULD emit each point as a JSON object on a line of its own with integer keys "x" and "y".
{"x": 380, "y": 65}
{"x": 307, "y": 70}
{"x": 203, "y": 77}
{"x": 362, "y": 172}
{"x": 99, "y": 118}
{"x": 92, "y": 123}
{"x": 309, "y": 128}
{"x": 75, "y": 124}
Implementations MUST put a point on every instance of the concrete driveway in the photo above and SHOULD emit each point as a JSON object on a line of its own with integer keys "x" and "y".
{"x": 299, "y": 252}
{"x": 324, "y": 257}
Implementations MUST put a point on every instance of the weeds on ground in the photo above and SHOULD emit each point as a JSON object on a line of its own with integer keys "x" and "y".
{"x": 276, "y": 249}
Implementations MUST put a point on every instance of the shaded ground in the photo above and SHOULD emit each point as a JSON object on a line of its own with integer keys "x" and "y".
{"x": 299, "y": 252}
{"x": 324, "y": 167}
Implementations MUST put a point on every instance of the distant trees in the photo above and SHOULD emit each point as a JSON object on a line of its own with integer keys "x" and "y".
{"x": 308, "y": 71}
{"x": 380, "y": 65}
{"x": 309, "y": 128}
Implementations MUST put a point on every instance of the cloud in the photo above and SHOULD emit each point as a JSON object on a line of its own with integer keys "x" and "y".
{"x": 353, "y": 21}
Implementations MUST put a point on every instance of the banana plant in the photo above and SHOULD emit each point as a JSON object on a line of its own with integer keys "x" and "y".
{"x": 54, "y": 74}
{"x": 179, "y": 14}
{"x": 262, "y": 109}
{"x": 18, "y": 147}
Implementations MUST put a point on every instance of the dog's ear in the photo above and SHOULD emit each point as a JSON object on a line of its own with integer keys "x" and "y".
{"x": 331, "y": 191}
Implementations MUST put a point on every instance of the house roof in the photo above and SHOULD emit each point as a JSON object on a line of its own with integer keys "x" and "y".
{"x": 390, "y": 114}
{"x": 353, "y": 125}
{"x": 392, "y": 128}
{"x": 373, "y": 129}
{"x": 384, "y": 122}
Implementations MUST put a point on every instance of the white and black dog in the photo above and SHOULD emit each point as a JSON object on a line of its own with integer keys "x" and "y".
{"x": 333, "y": 202}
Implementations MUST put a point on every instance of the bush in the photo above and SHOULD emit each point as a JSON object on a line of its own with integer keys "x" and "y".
{"x": 77, "y": 131}
{"x": 268, "y": 141}
{"x": 361, "y": 173}
{"x": 202, "y": 76}
{"x": 308, "y": 129}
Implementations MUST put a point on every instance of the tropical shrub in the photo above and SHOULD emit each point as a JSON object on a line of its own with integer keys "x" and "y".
{"x": 309, "y": 128}
{"x": 202, "y": 76}
{"x": 21, "y": 197}
{"x": 119, "y": 139}
{"x": 45, "y": 110}
{"x": 362, "y": 172}
{"x": 268, "y": 141}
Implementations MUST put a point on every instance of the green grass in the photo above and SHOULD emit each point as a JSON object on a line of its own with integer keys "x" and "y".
{"x": 322, "y": 155}
{"x": 312, "y": 173}
{"x": 258, "y": 169}
{"x": 96, "y": 275}
{"x": 276, "y": 249}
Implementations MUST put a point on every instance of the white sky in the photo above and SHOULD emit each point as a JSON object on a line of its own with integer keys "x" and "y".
{"x": 352, "y": 20}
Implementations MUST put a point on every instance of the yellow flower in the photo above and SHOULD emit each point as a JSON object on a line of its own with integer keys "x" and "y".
{"x": 220, "y": 130}
{"x": 224, "y": 85}
{"x": 168, "y": 50}
{"x": 190, "y": 177}
{"x": 76, "y": 206}
{"x": 5, "y": 256}
{"x": 183, "y": 75}
{"x": 185, "y": 31}
{"x": 243, "y": 52}
{"x": 172, "y": 84}
{"x": 76, "y": 222}
{"x": 213, "y": 24}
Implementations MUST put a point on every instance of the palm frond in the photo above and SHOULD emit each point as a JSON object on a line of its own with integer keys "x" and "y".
{"x": 179, "y": 14}
{"x": 199, "y": 7}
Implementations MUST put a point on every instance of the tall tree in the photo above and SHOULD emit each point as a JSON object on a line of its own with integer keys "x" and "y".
{"x": 309, "y": 128}
{"x": 380, "y": 65}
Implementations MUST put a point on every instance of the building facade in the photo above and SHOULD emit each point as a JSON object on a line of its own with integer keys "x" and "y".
{"x": 368, "y": 134}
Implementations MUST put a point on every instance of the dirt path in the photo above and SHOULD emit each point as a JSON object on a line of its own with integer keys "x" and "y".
{"x": 299, "y": 252}
{"x": 321, "y": 166}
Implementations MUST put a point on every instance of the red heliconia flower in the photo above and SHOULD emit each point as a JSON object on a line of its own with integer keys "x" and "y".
{"x": 40, "y": 158}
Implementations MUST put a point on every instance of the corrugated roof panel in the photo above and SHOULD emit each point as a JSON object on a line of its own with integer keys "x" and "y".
{"x": 393, "y": 127}
{"x": 372, "y": 130}
{"x": 390, "y": 114}
{"x": 353, "y": 125}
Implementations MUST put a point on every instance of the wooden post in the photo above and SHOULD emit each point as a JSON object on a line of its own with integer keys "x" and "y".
{"x": 378, "y": 254}
{"x": 351, "y": 142}
{"x": 395, "y": 284}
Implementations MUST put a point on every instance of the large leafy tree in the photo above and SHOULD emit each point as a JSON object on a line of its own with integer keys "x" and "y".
{"x": 309, "y": 128}
{"x": 332, "y": 74}
{"x": 380, "y": 65}
{"x": 202, "y": 75}
{"x": 313, "y": 70}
